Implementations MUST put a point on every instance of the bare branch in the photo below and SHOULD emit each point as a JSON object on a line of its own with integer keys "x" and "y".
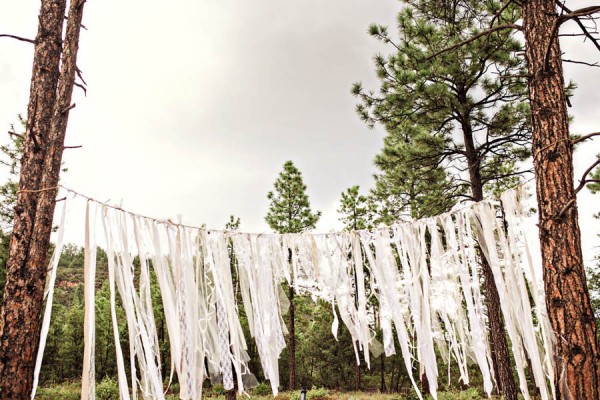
{"x": 79, "y": 85}
{"x": 527, "y": 76}
{"x": 586, "y": 137}
{"x": 487, "y": 32}
{"x": 582, "y": 27}
{"x": 72, "y": 147}
{"x": 22, "y": 39}
{"x": 582, "y": 182}
{"x": 582, "y": 12}
{"x": 67, "y": 109}
{"x": 582, "y": 63}
{"x": 15, "y": 134}
{"x": 80, "y": 75}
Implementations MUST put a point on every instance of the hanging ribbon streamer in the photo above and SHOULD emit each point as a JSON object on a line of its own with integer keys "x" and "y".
{"x": 424, "y": 274}
{"x": 88, "y": 388}
{"x": 49, "y": 298}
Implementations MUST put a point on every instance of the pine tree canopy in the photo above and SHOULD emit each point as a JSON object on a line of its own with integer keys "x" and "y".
{"x": 289, "y": 210}
{"x": 356, "y": 210}
{"x": 458, "y": 116}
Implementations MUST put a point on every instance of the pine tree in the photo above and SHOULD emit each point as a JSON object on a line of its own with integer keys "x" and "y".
{"x": 356, "y": 211}
{"x": 290, "y": 212}
{"x": 464, "y": 108}
{"x": 406, "y": 187}
{"x": 577, "y": 375}
{"x": 52, "y": 82}
{"x": 233, "y": 224}
{"x": 577, "y": 370}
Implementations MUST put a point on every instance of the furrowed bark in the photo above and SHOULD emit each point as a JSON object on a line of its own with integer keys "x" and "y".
{"x": 24, "y": 285}
{"x": 49, "y": 105}
{"x": 292, "y": 328}
{"x": 497, "y": 335}
{"x": 567, "y": 295}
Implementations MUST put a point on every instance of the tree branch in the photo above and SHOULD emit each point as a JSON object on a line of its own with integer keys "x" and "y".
{"x": 497, "y": 15}
{"x": 582, "y": 12}
{"x": 581, "y": 26}
{"x": 15, "y": 134}
{"x": 582, "y": 63}
{"x": 586, "y": 137}
{"x": 582, "y": 182}
{"x": 487, "y": 32}
{"x": 79, "y": 85}
{"x": 22, "y": 39}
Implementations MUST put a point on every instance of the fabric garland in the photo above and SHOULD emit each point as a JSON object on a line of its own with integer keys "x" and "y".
{"x": 424, "y": 274}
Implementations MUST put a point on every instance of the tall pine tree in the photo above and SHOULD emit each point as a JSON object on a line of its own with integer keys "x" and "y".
{"x": 290, "y": 212}
{"x": 465, "y": 109}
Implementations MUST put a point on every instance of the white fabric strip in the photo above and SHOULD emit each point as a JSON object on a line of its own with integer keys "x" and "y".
{"x": 49, "y": 299}
{"x": 88, "y": 388}
{"x": 424, "y": 274}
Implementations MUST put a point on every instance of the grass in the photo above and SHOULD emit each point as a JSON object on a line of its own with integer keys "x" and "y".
{"x": 107, "y": 390}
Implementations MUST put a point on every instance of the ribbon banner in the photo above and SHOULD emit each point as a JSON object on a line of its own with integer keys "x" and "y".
{"x": 425, "y": 276}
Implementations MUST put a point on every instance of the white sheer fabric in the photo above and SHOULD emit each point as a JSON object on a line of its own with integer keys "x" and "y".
{"x": 424, "y": 274}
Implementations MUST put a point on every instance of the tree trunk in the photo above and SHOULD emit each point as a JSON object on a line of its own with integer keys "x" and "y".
{"x": 424, "y": 383}
{"x": 47, "y": 114}
{"x": 292, "y": 382}
{"x": 567, "y": 296}
{"x": 382, "y": 373}
{"x": 498, "y": 345}
{"x": 497, "y": 335}
{"x": 357, "y": 378}
{"x": 230, "y": 395}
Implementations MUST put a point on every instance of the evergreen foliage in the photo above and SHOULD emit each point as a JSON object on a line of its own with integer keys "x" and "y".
{"x": 356, "y": 211}
{"x": 289, "y": 211}
{"x": 10, "y": 156}
{"x": 459, "y": 120}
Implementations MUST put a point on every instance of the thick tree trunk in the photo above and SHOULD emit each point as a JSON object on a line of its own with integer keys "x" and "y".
{"x": 498, "y": 345}
{"x": 497, "y": 335}
{"x": 567, "y": 296}
{"x": 47, "y": 113}
{"x": 292, "y": 329}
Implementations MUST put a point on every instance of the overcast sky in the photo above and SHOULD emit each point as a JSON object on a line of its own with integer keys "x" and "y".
{"x": 193, "y": 106}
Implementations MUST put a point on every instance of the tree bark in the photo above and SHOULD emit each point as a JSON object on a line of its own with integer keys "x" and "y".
{"x": 497, "y": 335}
{"x": 424, "y": 383}
{"x": 47, "y": 116}
{"x": 292, "y": 329}
{"x": 382, "y": 373}
{"x": 567, "y": 296}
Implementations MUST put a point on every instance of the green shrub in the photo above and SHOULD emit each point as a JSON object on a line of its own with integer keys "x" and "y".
{"x": 312, "y": 394}
{"x": 218, "y": 390}
{"x": 263, "y": 389}
{"x": 108, "y": 389}
{"x": 317, "y": 394}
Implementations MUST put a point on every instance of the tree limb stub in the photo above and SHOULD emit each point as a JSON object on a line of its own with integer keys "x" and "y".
{"x": 22, "y": 39}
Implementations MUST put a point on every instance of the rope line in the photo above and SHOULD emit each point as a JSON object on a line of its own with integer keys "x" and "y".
{"x": 203, "y": 228}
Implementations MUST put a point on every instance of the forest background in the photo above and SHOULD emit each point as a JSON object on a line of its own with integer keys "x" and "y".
{"x": 318, "y": 353}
